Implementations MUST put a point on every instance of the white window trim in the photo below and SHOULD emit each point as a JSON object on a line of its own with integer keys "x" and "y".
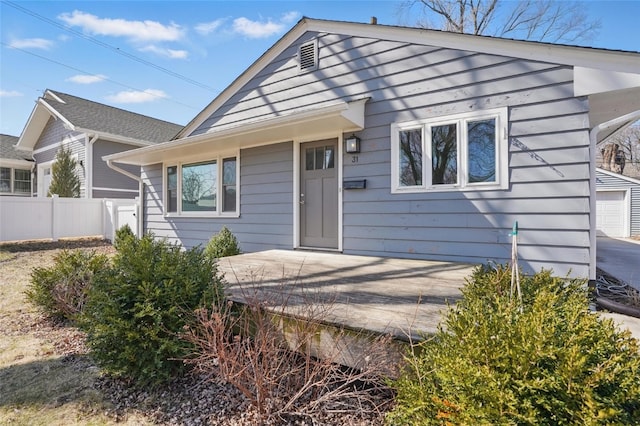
{"x": 198, "y": 160}
{"x": 502, "y": 152}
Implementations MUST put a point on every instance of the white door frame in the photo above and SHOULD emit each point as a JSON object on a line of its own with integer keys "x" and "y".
{"x": 296, "y": 183}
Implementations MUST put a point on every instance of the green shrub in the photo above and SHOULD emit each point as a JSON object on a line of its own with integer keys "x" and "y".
{"x": 123, "y": 233}
{"x": 61, "y": 290}
{"x": 138, "y": 309}
{"x": 224, "y": 243}
{"x": 548, "y": 361}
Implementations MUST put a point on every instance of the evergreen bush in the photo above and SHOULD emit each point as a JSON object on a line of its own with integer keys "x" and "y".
{"x": 224, "y": 243}
{"x": 548, "y": 361}
{"x": 61, "y": 290}
{"x": 64, "y": 180}
{"x": 138, "y": 309}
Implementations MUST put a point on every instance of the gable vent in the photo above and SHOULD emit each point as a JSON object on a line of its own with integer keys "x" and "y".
{"x": 308, "y": 56}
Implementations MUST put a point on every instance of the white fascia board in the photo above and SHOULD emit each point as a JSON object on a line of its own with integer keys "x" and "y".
{"x": 34, "y": 127}
{"x": 339, "y": 116}
{"x": 538, "y": 51}
{"x": 115, "y": 138}
{"x": 16, "y": 164}
{"x": 67, "y": 124}
{"x": 588, "y": 81}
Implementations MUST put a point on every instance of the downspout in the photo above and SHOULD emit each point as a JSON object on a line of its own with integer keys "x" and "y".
{"x": 593, "y": 138}
{"x": 140, "y": 193}
{"x": 88, "y": 164}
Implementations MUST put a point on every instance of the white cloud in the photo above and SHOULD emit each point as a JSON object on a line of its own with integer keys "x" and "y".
{"x": 290, "y": 17}
{"x": 209, "y": 27}
{"x": 133, "y": 30}
{"x": 32, "y": 43}
{"x": 9, "y": 93}
{"x": 87, "y": 79}
{"x": 262, "y": 29}
{"x": 137, "y": 97}
{"x": 169, "y": 53}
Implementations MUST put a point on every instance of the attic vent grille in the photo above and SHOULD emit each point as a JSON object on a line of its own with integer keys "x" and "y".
{"x": 308, "y": 56}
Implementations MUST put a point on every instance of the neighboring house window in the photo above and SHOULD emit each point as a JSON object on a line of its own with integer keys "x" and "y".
{"x": 22, "y": 181}
{"x": 207, "y": 188}
{"x": 460, "y": 152}
{"x": 5, "y": 179}
{"x": 20, "y": 184}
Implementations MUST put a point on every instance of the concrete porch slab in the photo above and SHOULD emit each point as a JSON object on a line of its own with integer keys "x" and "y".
{"x": 400, "y": 297}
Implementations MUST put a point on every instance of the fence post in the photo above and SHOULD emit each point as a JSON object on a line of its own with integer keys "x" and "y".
{"x": 54, "y": 215}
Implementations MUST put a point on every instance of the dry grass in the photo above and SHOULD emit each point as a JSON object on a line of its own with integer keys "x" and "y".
{"x": 45, "y": 375}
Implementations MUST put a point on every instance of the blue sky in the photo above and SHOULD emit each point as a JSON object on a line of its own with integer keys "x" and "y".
{"x": 169, "y": 59}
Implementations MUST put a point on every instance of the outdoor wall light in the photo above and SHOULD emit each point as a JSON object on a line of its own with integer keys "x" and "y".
{"x": 352, "y": 144}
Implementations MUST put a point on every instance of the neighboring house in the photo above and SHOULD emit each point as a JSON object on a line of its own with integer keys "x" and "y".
{"x": 91, "y": 130}
{"x": 16, "y": 168}
{"x": 617, "y": 205}
{"x": 460, "y": 136}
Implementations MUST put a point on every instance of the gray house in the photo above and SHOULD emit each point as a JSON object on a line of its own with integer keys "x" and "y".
{"x": 91, "y": 130}
{"x": 16, "y": 168}
{"x": 617, "y": 204}
{"x": 398, "y": 142}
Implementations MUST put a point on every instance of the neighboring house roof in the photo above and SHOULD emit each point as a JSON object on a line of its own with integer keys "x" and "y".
{"x": 10, "y": 156}
{"x": 619, "y": 176}
{"x": 94, "y": 118}
{"x": 610, "y": 79}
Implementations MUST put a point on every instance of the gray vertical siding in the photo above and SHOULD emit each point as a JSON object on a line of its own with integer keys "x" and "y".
{"x": 605, "y": 181}
{"x": 266, "y": 193}
{"x": 549, "y": 163}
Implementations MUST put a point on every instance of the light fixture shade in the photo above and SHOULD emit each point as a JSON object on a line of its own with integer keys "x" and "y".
{"x": 352, "y": 144}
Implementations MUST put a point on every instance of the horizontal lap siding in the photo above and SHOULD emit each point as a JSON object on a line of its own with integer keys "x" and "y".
{"x": 266, "y": 213}
{"x": 105, "y": 177}
{"x": 548, "y": 153}
{"x": 605, "y": 181}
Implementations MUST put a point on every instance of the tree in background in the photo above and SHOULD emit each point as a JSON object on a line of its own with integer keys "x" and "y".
{"x": 535, "y": 20}
{"x": 64, "y": 180}
{"x": 621, "y": 152}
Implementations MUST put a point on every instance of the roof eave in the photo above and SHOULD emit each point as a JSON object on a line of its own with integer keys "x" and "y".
{"x": 340, "y": 116}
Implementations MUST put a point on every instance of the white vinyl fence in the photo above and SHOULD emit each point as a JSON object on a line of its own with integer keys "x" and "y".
{"x": 36, "y": 218}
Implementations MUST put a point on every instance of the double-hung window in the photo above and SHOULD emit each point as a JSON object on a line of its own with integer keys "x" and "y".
{"x": 16, "y": 181}
{"x": 459, "y": 152}
{"x": 203, "y": 188}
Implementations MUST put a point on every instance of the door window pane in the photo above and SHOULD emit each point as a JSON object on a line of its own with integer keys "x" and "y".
{"x": 411, "y": 157}
{"x": 199, "y": 186}
{"x": 329, "y": 157}
{"x": 444, "y": 155}
{"x": 229, "y": 185}
{"x": 482, "y": 150}
{"x": 310, "y": 159}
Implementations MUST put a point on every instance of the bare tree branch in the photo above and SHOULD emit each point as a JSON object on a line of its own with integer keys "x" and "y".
{"x": 540, "y": 20}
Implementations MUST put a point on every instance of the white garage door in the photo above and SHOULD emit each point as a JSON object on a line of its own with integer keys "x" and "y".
{"x": 610, "y": 213}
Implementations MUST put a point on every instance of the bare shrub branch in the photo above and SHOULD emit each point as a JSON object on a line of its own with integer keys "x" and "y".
{"x": 278, "y": 350}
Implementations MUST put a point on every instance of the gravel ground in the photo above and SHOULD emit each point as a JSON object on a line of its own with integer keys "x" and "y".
{"x": 192, "y": 400}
